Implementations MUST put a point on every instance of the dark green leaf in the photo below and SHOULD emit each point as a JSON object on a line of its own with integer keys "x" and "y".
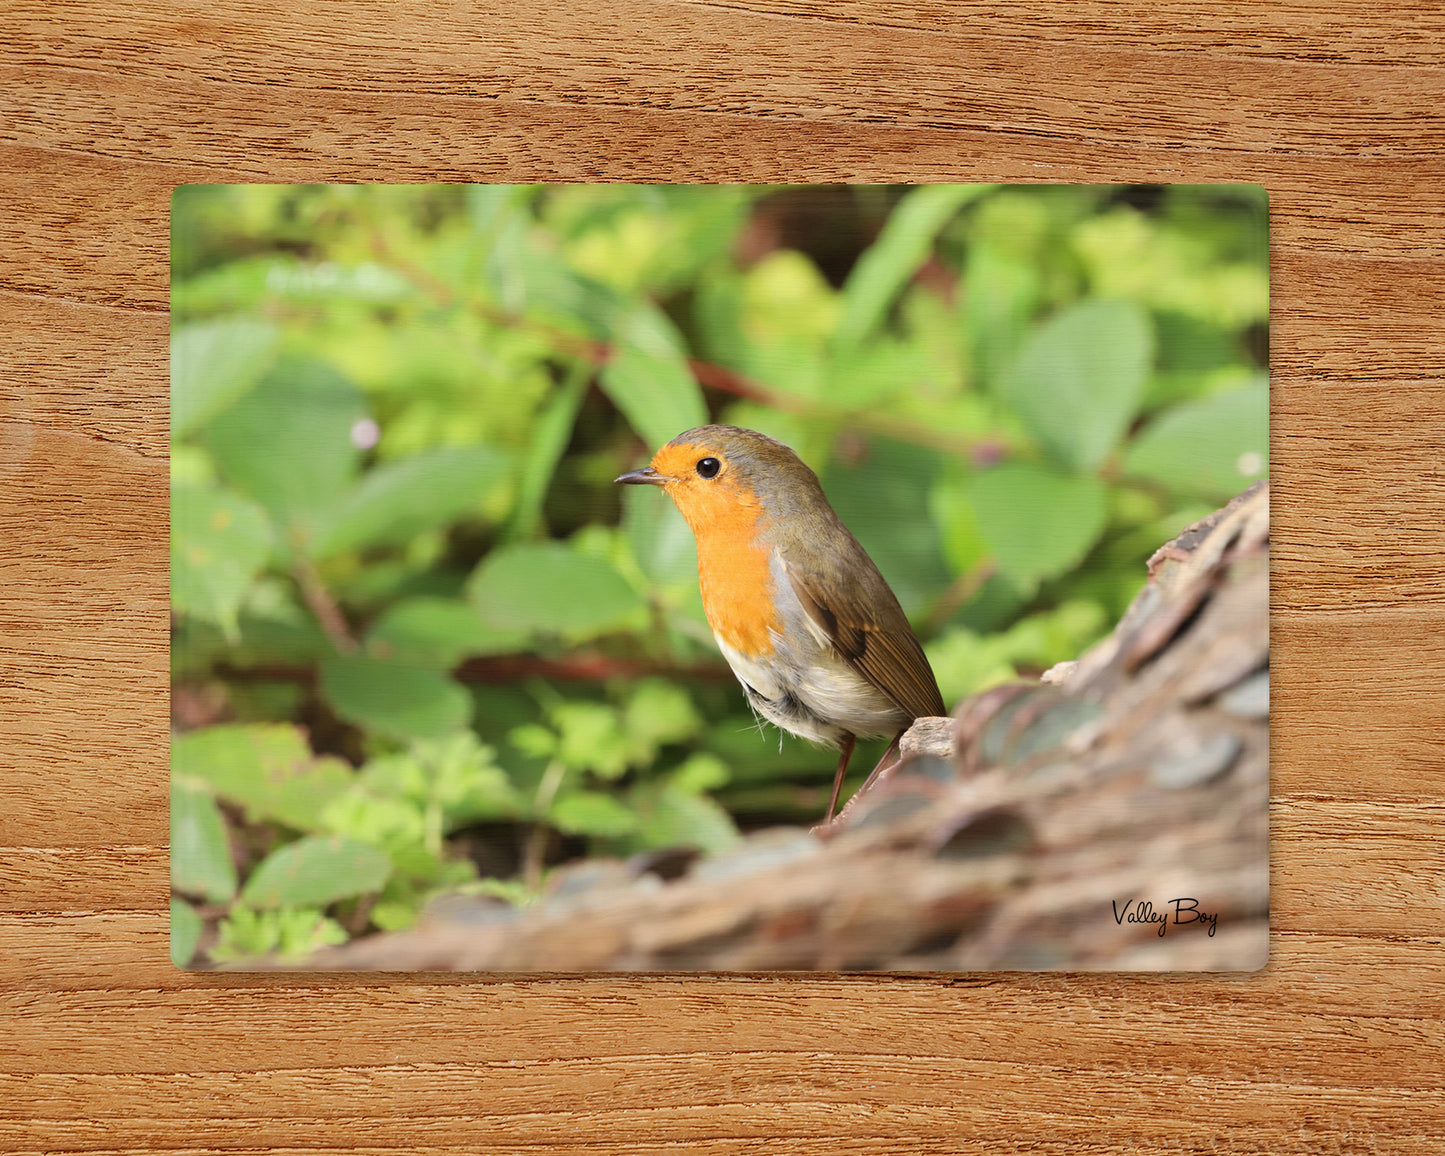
{"x": 392, "y": 698}
{"x": 550, "y": 589}
{"x": 882, "y": 498}
{"x": 316, "y": 871}
{"x": 1038, "y": 522}
{"x": 219, "y": 543}
{"x": 212, "y": 364}
{"x": 201, "y": 861}
{"x": 1079, "y": 378}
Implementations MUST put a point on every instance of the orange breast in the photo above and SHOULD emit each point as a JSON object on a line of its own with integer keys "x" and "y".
{"x": 732, "y": 569}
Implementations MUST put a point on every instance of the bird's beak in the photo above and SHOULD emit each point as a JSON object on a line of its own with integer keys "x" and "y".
{"x": 644, "y": 477}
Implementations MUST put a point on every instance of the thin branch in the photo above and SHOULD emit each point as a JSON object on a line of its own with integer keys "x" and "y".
{"x": 320, "y": 602}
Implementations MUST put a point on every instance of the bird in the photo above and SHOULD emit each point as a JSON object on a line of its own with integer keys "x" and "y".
{"x": 799, "y": 611}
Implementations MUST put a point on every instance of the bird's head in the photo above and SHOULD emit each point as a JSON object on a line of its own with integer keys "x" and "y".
{"x": 716, "y": 473}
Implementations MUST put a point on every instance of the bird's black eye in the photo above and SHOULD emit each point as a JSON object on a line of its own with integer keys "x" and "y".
{"x": 708, "y": 467}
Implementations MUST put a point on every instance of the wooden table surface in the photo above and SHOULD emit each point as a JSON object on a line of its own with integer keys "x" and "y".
{"x": 1335, "y": 107}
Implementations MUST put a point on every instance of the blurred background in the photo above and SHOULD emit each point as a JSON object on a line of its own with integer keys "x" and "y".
{"x": 421, "y": 642}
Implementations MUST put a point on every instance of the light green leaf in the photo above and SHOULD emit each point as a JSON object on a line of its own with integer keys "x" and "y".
{"x": 437, "y": 633}
{"x": 591, "y": 738}
{"x": 700, "y": 773}
{"x": 201, "y": 861}
{"x": 398, "y": 500}
{"x": 878, "y": 372}
{"x": 316, "y": 871}
{"x": 659, "y": 712}
{"x": 648, "y": 378}
{"x": 1038, "y": 522}
{"x": 212, "y": 364}
{"x": 902, "y": 246}
{"x": 186, "y": 928}
{"x": 549, "y": 589}
{"x": 291, "y": 933}
{"x": 1079, "y": 379}
{"x": 265, "y": 767}
{"x": 1213, "y": 447}
{"x": 395, "y": 699}
{"x": 288, "y": 444}
{"x": 219, "y": 543}
{"x": 591, "y": 813}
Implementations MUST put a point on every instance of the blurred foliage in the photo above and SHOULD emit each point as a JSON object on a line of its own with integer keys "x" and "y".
{"x": 421, "y": 642}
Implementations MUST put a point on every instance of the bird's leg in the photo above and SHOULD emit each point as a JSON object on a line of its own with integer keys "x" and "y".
{"x": 838, "y": 778}
{"x": 891, "y": 758}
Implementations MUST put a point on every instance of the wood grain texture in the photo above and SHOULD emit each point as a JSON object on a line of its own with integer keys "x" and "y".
{"x": 1334, "y": 107}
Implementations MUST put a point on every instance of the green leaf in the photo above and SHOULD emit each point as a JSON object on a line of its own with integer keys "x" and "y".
{"x": 291, "y": 933}
{"x": 659, "y": 712}
{"x": 265, "y": 767}
{"x": 902, "y": 246}
{"x": 591, "y": 813}
{"x": 315, "y": 871}
{"x": 212, "y": 364}
{"x": 882, "y": 499}
{"x": 661, "y": 541}
{"x": 201, "y": 861}
{"x": 186, "y": 928}
{"x": 288, "y": 444}
{"x": 648, "y": 378}
{"x": 219, "y": 543}
{"x": 1212, "y": 447}
{"x": 398, "y": 500}
{"x": 437, "y": 633}
{"x": 700, "y": 773}
{"x": 878, "y": 372}
{"x": 1038, "y": 522}
{"x": 672, "y": 817}
{"x": 1079, "y": 379}
{"x": 1003, "y": 294}
{"x": 591, "y": 738}
{"x": 549, "y": 589}
{"x": 550, "y": 434}
{"x": 393, "y": 698}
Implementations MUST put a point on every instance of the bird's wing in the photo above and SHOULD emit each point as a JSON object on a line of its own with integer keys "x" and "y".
{"x": 871, "y": 633}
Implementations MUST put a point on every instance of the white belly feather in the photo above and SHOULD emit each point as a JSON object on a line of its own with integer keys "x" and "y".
{"x": 807, "y": 688}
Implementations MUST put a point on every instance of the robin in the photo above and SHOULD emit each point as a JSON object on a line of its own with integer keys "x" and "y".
{"x": 799, "y": 610}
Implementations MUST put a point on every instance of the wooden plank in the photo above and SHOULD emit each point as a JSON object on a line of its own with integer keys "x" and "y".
{"x": 1334, "y": 107}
